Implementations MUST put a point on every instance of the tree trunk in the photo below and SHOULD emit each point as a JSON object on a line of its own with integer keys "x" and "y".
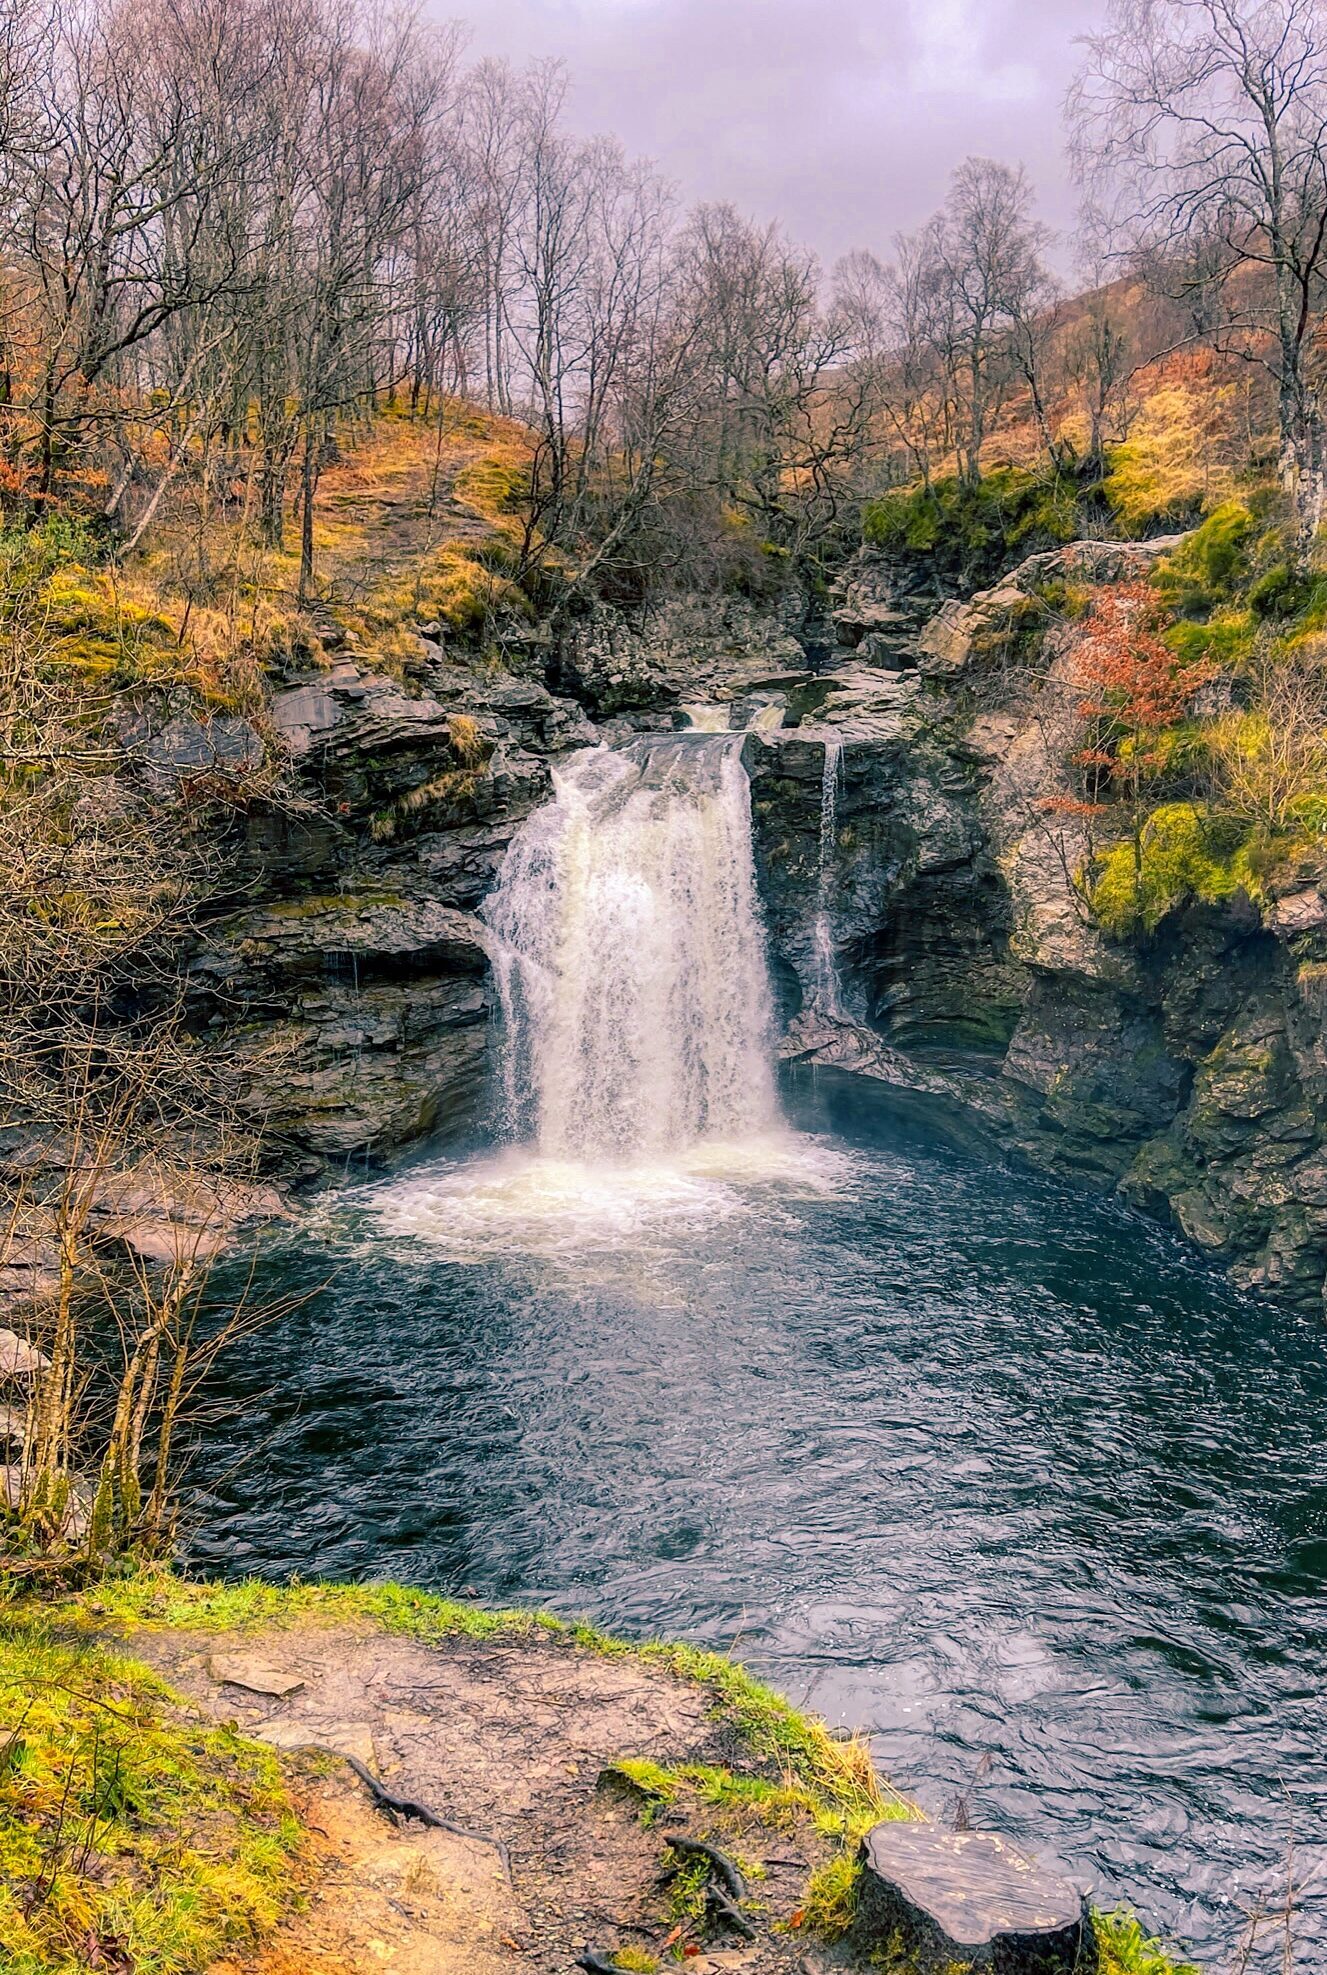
{"x": 272, "y": 494}
{"x": 1303, "y": 466}
{"x": 308, "y": 488}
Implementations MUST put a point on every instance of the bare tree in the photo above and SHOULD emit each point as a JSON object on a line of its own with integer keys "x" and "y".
{"x": 1200, "y": 130}
{"x": 981, "y": 288}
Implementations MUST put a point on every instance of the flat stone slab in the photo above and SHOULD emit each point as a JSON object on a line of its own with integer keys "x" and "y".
{"x": 254, "y": 1675}
{"x": 970, "y": 1897}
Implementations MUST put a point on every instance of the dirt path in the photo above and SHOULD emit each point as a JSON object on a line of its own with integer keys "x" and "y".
{"x": 508, "y": 1739}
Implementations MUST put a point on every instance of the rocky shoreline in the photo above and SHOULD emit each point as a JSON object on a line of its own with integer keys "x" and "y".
{"x": 396, "y": 1779}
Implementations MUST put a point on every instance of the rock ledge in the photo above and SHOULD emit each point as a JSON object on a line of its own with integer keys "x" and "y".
{"x": 969, "y": 1899}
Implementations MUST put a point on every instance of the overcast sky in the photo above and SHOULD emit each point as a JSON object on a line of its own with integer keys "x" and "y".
{"x": 842, "y": 118}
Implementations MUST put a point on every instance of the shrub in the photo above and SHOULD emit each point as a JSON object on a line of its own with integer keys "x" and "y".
{"x": 1271, "y": 758}
{"x": 1181, "y": 852}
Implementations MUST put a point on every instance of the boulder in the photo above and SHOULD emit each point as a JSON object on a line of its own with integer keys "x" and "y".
{"x": 945, "y": 646}
{"x": 19, "y": 1359}
{"x": 969, "y": 1899}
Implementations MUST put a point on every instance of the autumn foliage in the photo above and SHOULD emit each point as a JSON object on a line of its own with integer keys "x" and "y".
{"x": 1133, "y": 687}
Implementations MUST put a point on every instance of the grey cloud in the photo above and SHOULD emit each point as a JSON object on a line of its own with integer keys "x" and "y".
{"x": 842, "y": 120}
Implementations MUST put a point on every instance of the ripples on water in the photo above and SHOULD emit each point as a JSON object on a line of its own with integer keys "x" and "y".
{"x": 955, "y": 1455}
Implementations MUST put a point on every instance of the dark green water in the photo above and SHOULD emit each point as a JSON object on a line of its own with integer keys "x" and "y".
{"x": 958, "y": 1456}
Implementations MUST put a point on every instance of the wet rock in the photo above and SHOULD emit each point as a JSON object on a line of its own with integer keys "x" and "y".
{"x": 363, "y": 1018}
{"x": 969, "y": 1899}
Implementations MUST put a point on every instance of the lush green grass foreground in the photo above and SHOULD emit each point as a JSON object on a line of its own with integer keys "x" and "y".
{"x": 135, "y": 1837}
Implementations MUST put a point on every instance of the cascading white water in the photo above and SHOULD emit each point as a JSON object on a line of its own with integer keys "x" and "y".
{"x": 629, "y": 956}
{"x": 826, "y": 982}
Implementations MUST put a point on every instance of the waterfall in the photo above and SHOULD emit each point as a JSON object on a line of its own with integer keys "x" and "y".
{"x": 825, "y": 980}
{"x": 629, "y": 955}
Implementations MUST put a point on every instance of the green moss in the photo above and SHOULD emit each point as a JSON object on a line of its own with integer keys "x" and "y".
{"x": 686, "y": 1892}
{"x": 635, "y": 1961}
{"x": 1211, "y": 565}
{"x": 158, "y": 1597}
{"x": 1182, "y": 852}
{"x": 129, "y": 1831}
{"x": 648, "y": 1778}
{"x": 1280, "y": 592}
{"x": 1225, "y": 639}
{"x": 972, "y": 533}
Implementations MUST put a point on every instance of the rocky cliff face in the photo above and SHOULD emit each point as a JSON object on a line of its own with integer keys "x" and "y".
{"x": 1188, "y": 1069}
{"x": 354, "y": 977}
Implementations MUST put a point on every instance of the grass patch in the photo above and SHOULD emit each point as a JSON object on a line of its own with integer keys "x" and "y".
{"x": 192, "y": 1832}
{"x": 1125, "y": 1949}
{"x": 157, "y": 1597}
{"x": 800, "y": 1748}
{"x": 797, "y": 1747}
{"x": 131, "y": 1835}
{"x": 830, "y": 1903}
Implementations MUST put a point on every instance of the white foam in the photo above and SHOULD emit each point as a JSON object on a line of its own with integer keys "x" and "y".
{"x": 522, "y": 1202}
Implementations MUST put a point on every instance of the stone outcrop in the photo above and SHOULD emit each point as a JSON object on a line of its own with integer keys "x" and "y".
{"x": 363, "y": 1016}
{"x": 1186, "y": 1069}
{"x": 352, "y": 974}
{"x": 918, "y": 909}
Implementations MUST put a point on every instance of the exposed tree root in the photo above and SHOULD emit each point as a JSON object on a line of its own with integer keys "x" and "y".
{"x": 719, "y": 1862}
{"x": 727, "y": 1913}
{"x": 388, "y": 1800}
